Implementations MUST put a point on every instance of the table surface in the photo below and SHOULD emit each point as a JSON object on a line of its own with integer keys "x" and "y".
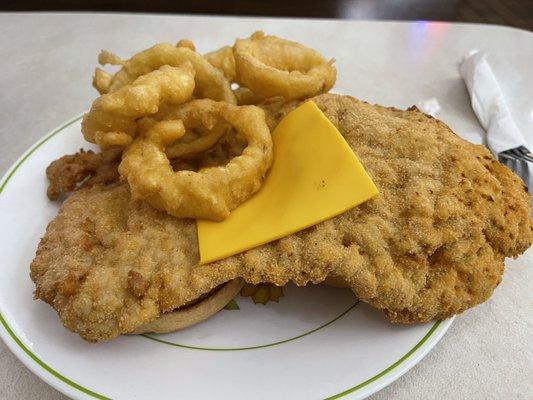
{"x": 45, "y": 74}
{"x": 517, "y": 13}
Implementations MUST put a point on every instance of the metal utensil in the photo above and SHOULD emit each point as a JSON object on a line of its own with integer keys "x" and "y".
{"x": 518, "y": 160}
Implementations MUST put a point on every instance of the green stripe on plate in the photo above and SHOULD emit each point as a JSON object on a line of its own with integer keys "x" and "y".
{"x": 47, "y": 367}
{"x": 10, "y": 331}
{"x": 253, "y": 347}
{"x": 390, "y": 367}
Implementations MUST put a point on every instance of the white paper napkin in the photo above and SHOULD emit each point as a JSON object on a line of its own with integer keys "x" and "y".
{"x": 488, "y": 103}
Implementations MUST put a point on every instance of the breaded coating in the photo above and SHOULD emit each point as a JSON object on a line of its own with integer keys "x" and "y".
{"x": 430, "y": 245}
{"x": 433, "y": 243}
{"x": 109, "y": 263}
{"x": 84, "y": 168}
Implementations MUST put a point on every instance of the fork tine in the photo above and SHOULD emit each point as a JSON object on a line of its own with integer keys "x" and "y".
{"x": 517, "y": 163}
{"x": 523, "y": 171}
{"x": 504, "y": 157}
{"x": 509, "y": 162}
{"x": 521, "y": 153}
{"x": 527, "y": 157}
{"x": 515, "y": 166}
{"x": 526, "y": 175}
{"x": 504, "y": 160}
{"x": 515, "y": 154}
{"x": 524, "y": 150}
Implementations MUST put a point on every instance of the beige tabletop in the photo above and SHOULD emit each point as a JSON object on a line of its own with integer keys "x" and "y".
{"x": 47, "y": 62}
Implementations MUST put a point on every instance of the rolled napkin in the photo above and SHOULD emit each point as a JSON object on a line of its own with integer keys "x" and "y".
{"x": 490, "y": 107}
{"x": 488, "y": 103}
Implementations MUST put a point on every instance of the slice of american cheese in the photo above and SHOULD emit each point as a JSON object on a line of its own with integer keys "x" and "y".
{"x": 315, "y": 176}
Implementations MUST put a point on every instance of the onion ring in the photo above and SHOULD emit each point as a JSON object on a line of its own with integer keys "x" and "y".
{"x": 211, "y": 192}
{"x": 106, "y": 57}
{"x": 186, "y": 43}
{"x": 270, "y": 66}
{"x": 204, "y": 141}
{"x": 224, "y": 60}
{"x": 102, "y": 80}
{"x": 245, "y": 97}
{"x": 210, "y": 82}
{"x": 201, "y": 134}
{"x": 111, "y": 122}
{"x": 192, "y": 143}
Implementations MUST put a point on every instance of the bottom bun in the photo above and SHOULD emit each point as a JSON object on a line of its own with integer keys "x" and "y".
{"x": 195, "y": 312}
{"x": 336, "y": 281}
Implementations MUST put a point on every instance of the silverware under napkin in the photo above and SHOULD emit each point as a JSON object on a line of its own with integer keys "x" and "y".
{"x": 488, "y": 102}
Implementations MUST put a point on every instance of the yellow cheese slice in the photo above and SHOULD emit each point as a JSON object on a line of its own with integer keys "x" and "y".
{"x": 315, "y": 176}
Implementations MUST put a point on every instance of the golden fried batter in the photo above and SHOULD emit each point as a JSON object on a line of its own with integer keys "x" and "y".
{"x": 430, "y": 245}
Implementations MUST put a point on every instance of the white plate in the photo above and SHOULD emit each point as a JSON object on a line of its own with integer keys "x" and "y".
{"x": 317, "y": 342}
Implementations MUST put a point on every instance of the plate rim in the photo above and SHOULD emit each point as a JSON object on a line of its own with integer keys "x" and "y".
{"x": 77, "y": 391}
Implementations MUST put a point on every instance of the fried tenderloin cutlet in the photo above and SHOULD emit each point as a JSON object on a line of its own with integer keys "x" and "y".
{"x": 83, "y": 169}
{"x": 108, "y": 263}
{"x": 430, "y": 245}
{"x": 433, "y": 242}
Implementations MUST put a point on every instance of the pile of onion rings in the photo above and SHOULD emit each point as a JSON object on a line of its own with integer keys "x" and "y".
{"x": 112, "y": 118}
{"x": 170, "y": 106}
{"x": 223, "y": 60}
